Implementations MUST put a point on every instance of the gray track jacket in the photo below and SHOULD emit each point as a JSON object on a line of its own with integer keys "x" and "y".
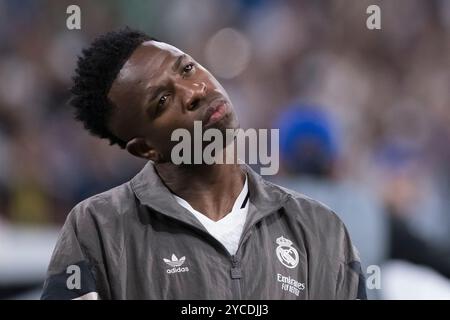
{"x": 136, "y": 242}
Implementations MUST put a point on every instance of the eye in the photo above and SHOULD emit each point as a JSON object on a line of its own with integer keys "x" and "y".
{"x": 188, "y": 68}
{"x": 162, "y": 100}
{"x": 160, "y": 105}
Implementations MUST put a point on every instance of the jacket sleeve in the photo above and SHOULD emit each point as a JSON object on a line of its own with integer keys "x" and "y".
{"x": 351, "y": 282}
{"x": 75, "y": 270}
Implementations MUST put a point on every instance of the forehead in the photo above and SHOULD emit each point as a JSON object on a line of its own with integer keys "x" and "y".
{"x": 148, "y": 59}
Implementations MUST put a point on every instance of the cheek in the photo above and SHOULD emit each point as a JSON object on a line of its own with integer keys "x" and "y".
{"x": 160, "y": 132}
{"x": 174, "y": 118}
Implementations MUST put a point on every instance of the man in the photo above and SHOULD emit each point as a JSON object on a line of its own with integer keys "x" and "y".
{"x": 216, "y": 231}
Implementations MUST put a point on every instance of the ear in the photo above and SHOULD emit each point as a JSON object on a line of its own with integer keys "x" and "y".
{"x": 140, "y": 148}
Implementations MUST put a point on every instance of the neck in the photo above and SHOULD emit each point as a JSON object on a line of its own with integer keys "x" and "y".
{"x": 209, "y": 189}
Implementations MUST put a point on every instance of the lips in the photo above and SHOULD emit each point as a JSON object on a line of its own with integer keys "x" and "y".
{"x": 215, "y": 112}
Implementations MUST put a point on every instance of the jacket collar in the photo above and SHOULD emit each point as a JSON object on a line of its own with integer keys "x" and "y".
{"x": 265, "y": 198}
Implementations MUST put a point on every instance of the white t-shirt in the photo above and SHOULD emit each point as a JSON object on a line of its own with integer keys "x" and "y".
{"x": 227, "y": 230}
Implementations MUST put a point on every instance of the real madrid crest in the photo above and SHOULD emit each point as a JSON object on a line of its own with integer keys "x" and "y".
{"x": 286, "y": 253}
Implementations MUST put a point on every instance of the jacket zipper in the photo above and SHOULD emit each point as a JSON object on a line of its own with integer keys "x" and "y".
{"x": 236, "y": 275}
{"x": 236, "y": 271}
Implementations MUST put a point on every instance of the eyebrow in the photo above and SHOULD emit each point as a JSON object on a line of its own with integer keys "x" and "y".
{"x": 177, "y": 63}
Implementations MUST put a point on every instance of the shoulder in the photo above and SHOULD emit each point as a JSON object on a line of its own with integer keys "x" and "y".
{"x": 306, "y": 209}
{"x": 97, "y": 223}
{"x": 104, "y": 208}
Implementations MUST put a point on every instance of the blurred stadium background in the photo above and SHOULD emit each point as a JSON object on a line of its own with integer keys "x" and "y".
{"x": 363, "y": 116}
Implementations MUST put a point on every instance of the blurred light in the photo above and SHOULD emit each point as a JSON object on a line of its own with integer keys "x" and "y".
{"x": 227, "y": 53}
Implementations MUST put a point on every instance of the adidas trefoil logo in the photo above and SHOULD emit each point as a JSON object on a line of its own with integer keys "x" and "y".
{"x": 176, "y": 264}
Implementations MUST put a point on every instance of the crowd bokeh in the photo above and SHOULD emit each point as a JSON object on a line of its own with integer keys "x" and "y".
{"x": 387, "y": 93}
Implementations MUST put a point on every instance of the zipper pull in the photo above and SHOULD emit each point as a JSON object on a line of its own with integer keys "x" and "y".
{"x": 236, "y": 272}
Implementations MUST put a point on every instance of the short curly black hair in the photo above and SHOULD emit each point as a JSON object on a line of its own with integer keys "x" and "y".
{"x": 97, "y": 67}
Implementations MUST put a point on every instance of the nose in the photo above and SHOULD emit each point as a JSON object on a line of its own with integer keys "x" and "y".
{"x": 191, "y": 93}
